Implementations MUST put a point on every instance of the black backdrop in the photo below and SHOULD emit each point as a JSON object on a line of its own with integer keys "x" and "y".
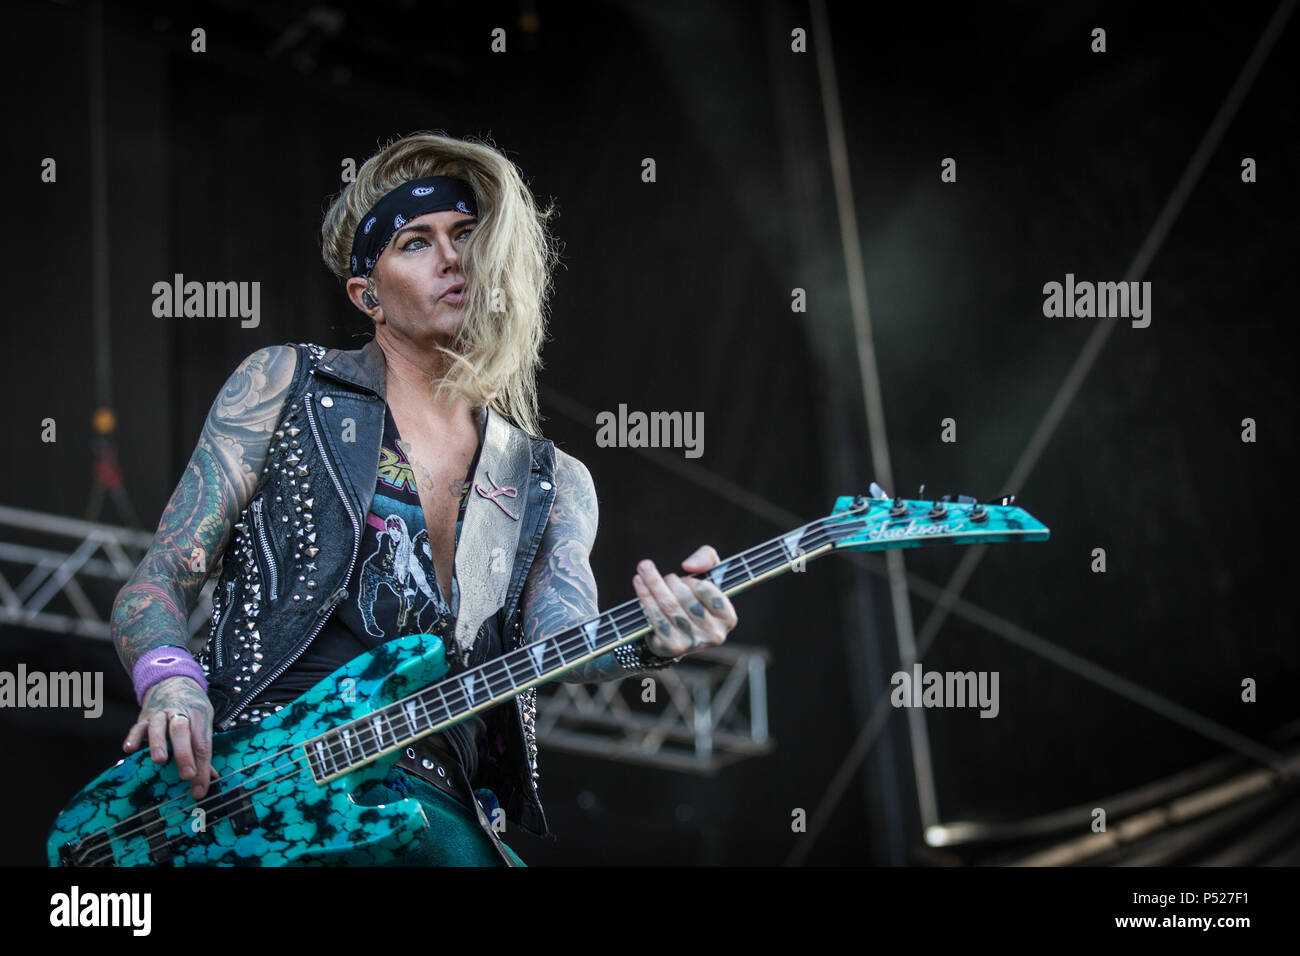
{"x": 676, "y": 296}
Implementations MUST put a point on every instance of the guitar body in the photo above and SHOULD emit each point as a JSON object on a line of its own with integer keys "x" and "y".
{"x": 267, "y": 808}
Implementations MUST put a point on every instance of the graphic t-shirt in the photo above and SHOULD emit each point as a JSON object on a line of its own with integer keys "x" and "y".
{"x": 393, "y": 592}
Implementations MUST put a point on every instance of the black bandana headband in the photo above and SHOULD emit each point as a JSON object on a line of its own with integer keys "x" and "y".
{"x": 409, "y": 200}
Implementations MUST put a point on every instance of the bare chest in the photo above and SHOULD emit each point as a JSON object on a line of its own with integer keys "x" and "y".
{"x": 439, "y": 457}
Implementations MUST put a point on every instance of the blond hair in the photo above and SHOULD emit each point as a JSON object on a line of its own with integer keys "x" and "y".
{"x": 508, "y": 261}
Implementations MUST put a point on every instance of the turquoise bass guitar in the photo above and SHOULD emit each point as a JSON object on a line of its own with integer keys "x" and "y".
{"x": 283, "y": 795}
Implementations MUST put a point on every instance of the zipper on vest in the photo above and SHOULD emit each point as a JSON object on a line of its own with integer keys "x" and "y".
{"x": 221, "y": 621}
{"x": 325, "y": 609}
{"x": 259, "y": 520}
{"x": 340, "y": 595}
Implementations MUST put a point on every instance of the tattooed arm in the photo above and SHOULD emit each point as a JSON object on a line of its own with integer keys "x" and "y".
{"x": 561, "y": 588}
{"x": 219, "y": 480}
{"x": 153, "y": 609}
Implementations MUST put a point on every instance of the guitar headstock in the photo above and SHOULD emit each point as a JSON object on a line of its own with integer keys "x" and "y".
{"x": 877, "y": 523}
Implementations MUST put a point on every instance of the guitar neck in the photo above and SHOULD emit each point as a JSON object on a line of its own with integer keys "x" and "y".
{"x": 448, "y": 701}
{"x": 858, "y": 524}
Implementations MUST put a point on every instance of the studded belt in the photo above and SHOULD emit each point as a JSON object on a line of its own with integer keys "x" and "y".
{"x": 439, "y": 772}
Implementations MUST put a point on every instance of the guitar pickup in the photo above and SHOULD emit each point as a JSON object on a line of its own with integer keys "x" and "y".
{"x": 155, "y": 832}
{"x": 233, "y": 807}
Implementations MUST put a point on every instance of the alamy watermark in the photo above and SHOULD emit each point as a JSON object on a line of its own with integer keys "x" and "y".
{"x": 946, "y": 689}
{"x": 1098, "y": 300}
{"x": 208, "y": 300}
{"x": 82, "y": 690}
{"x": 76, "y": 909}
{"x": 626, "y": 429}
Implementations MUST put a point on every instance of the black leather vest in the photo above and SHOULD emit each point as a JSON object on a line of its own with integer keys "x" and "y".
{"x": 295, "y": 546}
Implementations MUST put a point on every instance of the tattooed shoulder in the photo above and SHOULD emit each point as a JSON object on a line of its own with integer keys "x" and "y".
{"x": 237, "y": 432}
{"x": 575, "y": 513}
{"x": 250, "y": 397}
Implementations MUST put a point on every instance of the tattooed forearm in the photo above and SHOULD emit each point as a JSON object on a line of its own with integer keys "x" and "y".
{"x": 154, "y": 606}
{"x": 219, "y": 481}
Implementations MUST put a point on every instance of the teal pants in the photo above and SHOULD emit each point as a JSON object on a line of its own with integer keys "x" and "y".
{"x": 454, "y": 837}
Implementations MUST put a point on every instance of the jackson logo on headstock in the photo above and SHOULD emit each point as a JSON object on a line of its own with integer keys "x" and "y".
{"x": 915, "y": 529}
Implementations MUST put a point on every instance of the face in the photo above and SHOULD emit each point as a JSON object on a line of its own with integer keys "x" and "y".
{"x": 418, "y": 281}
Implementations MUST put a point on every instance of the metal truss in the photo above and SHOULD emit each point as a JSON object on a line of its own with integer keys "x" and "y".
{"x": 708, "y": 711}
{"x": 71, "y": 570}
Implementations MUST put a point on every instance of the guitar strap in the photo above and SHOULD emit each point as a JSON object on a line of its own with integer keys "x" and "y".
{"x": 484, "y": 823}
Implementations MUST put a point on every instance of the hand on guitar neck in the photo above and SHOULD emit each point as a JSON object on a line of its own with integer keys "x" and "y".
{"x": 686, "y": 614}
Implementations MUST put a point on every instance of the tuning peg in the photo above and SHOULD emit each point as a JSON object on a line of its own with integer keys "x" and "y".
{"x": 966, "y": 499}
{"x": 877, "y": 491}
{"x": 899, "y": 508}
{"x": 1004, "y": 501}
{"x": 978, "y": 513}
{"x": 940, "y": 510}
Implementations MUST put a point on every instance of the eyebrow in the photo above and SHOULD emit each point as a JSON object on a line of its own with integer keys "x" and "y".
{"x": 427, "y": 228}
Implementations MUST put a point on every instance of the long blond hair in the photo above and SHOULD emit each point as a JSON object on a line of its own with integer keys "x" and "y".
{"x": 508, "y": 262}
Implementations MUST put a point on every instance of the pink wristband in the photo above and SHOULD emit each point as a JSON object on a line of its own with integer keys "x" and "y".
{"x": 159, "y": 663}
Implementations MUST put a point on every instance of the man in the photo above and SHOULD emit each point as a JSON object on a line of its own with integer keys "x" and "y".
{"x": 401, "y": 488}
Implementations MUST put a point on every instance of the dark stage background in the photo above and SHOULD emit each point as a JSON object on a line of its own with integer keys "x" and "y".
{"x": 676, "y": 295}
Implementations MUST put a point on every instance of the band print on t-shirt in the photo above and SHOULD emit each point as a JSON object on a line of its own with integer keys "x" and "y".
{"x": 400, "y": 570}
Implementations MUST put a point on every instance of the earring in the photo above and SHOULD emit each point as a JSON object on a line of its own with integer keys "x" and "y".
{"x": 368, "y": 298}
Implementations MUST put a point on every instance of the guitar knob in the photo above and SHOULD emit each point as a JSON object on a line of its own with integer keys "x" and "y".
{"x": 940, "y": 510}
{"x": 899, "y": 509}
{"x": 978, "y": 513}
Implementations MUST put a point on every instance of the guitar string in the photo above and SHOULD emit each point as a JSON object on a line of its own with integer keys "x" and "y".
{"x": 297, "y": 765}
{"x": 561, "y": 643}
{"x": 840, "y": 519}
{"x": 297, "y": 762}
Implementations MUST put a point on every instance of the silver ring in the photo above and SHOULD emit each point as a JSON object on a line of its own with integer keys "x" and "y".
{"x": 180, "y": 717}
